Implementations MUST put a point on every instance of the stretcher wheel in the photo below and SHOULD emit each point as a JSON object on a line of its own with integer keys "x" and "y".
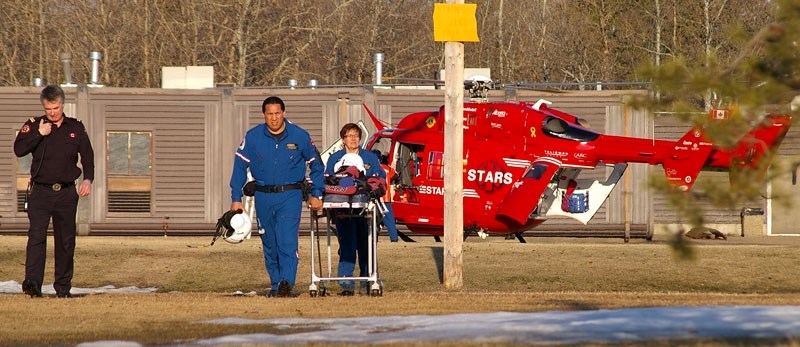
{"x": 376, "y": 292}
{"x": 323, "y": 291}
{"x": 313, "y": 293}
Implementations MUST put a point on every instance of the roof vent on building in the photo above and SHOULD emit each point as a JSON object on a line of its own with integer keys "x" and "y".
{"x": 66, "y": 61}
{"x": 378, "y": 60}
{"x": 95, "y": 57}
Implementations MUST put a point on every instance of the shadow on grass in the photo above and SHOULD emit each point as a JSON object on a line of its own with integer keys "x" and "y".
{"x": 438, "y": 257}
{"x": 575, "y": 305}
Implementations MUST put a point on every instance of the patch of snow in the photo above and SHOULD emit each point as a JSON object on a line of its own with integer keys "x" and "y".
{"x": 109, "y": 343}
{"x": 546, "y": 328}
{"x": 14, "y": 287}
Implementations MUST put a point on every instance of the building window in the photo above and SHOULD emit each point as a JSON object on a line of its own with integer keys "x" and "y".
{"x": 129, "y": 167}
{"x": 23, "y": 177}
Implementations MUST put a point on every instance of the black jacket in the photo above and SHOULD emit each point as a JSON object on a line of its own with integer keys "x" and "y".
{"x": 55, "y": 157}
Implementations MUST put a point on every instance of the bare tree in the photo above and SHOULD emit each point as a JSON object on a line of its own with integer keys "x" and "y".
{"x": 27, "y": 37}
{"x": 252, "y": 43}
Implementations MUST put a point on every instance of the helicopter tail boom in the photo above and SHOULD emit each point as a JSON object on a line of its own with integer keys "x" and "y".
{"x": 753, "y": 149}
{"x": 693, "y": 152}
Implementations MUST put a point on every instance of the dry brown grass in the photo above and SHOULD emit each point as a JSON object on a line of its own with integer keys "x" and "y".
{"x": 195, "y": 284}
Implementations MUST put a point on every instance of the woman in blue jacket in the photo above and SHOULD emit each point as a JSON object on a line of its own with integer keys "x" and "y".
{"x": 353, "y": 232}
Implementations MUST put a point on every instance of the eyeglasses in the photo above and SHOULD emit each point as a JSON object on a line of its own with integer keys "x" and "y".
{"x": 351, "y": 136}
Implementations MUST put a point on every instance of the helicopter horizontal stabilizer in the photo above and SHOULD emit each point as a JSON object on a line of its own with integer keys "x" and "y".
{"x": 686, "y": 158}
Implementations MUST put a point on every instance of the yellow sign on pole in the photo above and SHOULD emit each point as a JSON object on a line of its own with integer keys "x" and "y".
{"x": 455, "y": 22}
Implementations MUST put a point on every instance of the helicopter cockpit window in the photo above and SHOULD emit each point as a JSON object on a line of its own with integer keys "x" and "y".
{"x": 435, "y": 165}
{"x": 536, "y": 172}
{"x": 407, "y": 164}
{"x": 557, "y": 127}
{"x": 381, "y": 148}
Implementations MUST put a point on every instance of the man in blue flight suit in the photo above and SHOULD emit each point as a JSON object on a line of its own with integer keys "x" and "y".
{"x": 353, "y": 232}
{"x": 277, "y": 153}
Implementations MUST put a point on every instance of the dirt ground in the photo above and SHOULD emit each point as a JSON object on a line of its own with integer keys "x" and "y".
{"x": 195, "y": 283}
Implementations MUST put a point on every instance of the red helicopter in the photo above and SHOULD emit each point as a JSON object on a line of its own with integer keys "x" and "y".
{"x": 522, "y": 161}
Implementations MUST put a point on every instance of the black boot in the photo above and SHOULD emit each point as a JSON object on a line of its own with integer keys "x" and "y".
{"x": 284, "y": 289}
{"x": 32, "y": 288}
{"x": 63, "y": 293}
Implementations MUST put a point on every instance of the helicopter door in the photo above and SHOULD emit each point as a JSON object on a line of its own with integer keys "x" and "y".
{"x": 382, "y": 147}
{"x": 580, "y": 199}
{"x": 407, "y": 162}
{"x": 519, "y": 204}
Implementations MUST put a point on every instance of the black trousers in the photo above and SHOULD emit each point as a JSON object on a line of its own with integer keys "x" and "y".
{"x": 45, "y": 203}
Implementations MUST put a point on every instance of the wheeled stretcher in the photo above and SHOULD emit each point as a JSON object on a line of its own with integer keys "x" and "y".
{"x": 355, "y": 206}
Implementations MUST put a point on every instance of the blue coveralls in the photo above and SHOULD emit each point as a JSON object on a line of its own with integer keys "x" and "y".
{"x": 389, "y": 222}
{"x": 353, "y": 232}
{"x": 388, "y": 215}
{"x": 277, "y": 161}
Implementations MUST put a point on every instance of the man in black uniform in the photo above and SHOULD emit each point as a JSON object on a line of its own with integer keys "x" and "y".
{"x": 55, "y": 142}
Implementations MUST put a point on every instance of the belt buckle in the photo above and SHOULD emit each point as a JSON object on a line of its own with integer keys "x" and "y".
{"x": 56, "y": 186}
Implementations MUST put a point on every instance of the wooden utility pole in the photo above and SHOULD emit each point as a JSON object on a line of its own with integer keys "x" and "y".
{"x": 451, "y": 25}
{"x": 453, "y": 163}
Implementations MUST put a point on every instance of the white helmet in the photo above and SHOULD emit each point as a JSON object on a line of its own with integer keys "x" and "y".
{"x": 350, "y": 159}
{"x": 234, "y": 227}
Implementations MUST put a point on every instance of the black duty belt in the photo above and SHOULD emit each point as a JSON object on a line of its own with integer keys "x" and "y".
{"x": 55, "y": 186}
{"x": 278, "y": 189}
